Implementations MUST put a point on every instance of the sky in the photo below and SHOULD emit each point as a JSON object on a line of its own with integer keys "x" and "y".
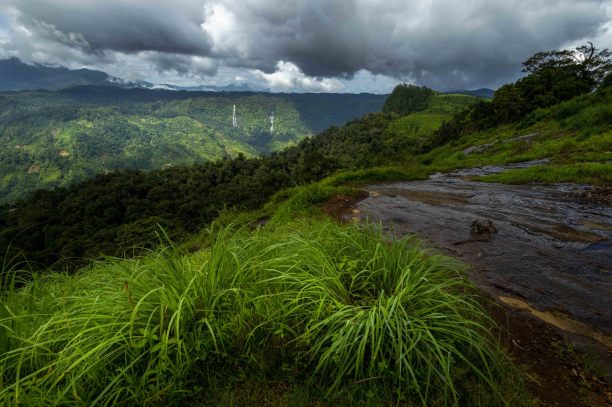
{"x": 301, "y": 45}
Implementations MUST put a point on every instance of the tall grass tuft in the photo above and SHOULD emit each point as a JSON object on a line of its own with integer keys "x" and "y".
{"x": 346, "y": 307}
{"x": 370, "y": 309}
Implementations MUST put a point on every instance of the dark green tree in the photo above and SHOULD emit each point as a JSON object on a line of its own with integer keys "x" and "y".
{"x": 606, "y": 82}
{"x": 586, "y": 62}
{"x": 406, "y": 99}
{"x": 509, "y": 104}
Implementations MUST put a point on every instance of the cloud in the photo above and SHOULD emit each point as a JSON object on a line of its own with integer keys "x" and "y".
{"x": 90, "y": 32}
{"x": 288, "y": 77}
{"x": 192, "y": 66}
{"x": 125, "y": 26}
{"x": 441, "y": 43}
{"x": 305, "y": 44}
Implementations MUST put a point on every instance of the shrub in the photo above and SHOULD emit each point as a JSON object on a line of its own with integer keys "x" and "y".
{"x": 342, "y": 304}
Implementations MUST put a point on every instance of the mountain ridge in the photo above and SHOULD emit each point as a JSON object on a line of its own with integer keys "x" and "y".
{"x": 16, "y": 75}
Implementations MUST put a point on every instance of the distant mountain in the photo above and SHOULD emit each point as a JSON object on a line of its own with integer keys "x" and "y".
{"x": 17, "y": 75}
{"x": 481, "y": 93}
{"x": 232, "y": 87}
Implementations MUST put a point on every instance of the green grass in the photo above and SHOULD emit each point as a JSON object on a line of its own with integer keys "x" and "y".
{"x": 449, "y": 103}
{"x": 409, "y": 133}
{"x": 376, "y": 174}
{"x": 331, "y": 312}
{"x": 418, "y": 126}
{"x": 583, "y": 173}
{"x": 304, "y": 201}
{"x": 576, "y": 133}
{"x": 563, "y": 149}
{"x": 301, "y": 201}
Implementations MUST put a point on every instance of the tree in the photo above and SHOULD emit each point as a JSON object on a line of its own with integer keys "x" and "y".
{"x": 597, "y": 62}
{"x": 553, "y": 77}
{"x": 552, "y": 85}
{"x": 607, "y": 81}
{"x": 406, "y": 99}
{"x": 586, "y": 62}
{"x": 509, "y": 104}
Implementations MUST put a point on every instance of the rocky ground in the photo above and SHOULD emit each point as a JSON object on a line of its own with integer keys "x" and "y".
{"x": 541, "y": 253}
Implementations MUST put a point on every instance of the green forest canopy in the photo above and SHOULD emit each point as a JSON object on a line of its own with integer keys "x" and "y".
{"x": 53, "y": 139}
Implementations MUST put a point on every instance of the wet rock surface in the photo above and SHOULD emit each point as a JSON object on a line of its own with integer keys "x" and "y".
{"x": 483, "y": 147}
{"x": 551, "y": 251}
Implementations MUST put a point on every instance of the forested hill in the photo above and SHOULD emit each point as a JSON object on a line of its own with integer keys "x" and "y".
{"x": 53, "y": 139}
{"x": 111, "y": 213}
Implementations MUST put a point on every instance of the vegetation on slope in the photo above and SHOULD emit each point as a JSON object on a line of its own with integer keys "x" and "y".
{"x": 406, "y": 99}
{"x": 333, "y": 312}
{"x": 553, "y": 77}
{"x": 111, "y": 213}
{"x": 583, "y": 173}
{"x": 54, "y": 139}
{"x": 416, "y": 128}
{"x": 575, "y": 136}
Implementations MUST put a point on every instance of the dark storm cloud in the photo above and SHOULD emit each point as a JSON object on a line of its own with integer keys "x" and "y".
{"x": 126, "y": 26}
{"x": 442, "y": 43}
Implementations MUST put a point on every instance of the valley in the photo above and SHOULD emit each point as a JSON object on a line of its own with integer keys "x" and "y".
{"x": 53, "y": 139}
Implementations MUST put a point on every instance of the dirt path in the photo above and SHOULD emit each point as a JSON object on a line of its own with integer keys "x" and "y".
{"x": 548, "y": 264}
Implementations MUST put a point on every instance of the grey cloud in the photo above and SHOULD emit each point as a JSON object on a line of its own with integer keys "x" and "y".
{"x": 445, "y": 43}
{"x": 115, "y": 25}
{"x": 441, "y": 43}
{"x": 181, "y": 64}
{"x": 488, "y": 44}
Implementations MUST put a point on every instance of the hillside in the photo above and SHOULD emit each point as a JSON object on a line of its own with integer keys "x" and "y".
{"x": 573, "y": 137}
{"x": 271, "y": 305}
{"x": 417, "y": 127}
{"x": 429, "y": 133}
{"x": 231, "y": 284}
{"x": 110, "y": 213}
{"x": 53, "y": 139}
